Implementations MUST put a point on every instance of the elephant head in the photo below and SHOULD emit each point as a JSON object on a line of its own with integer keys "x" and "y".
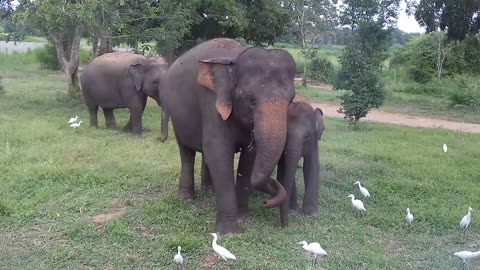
{"x": 148, "y": 75}
{"x": 253, "y": 87}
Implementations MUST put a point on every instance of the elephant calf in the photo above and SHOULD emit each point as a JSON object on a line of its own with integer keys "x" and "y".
{"x": 305, "y": 127}
{"x": 124, "y": 80}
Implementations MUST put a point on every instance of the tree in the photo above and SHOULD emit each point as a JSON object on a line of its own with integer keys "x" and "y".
{"x": 458, "y": 17}
{"x": 362, "y": 60}
{"x": 63, "y": 23}
{"x": 267, "y": 21}
{"x": 311, "y": 20}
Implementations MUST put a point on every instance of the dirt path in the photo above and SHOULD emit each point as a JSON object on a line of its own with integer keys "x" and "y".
{"x": 404, "y": 120}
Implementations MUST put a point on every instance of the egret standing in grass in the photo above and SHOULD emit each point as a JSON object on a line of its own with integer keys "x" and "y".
{"x": 409, "y": 217}
{"x": 178, "y": 259}
{"x": 445, "y": 148}
{"x": 465, "y": 222}
{"x": 75, "y": 125}
{"x": 221, "y": 251}
{"x": 466, "y": 256}
{"x": 357, "y": 205}
{"x": 73, "y": 120}
{"x": 313, "y": 248}
{"x": 363, "y": 190}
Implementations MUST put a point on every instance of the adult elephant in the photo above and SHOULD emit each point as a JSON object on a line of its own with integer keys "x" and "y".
{"x": 304, "y": 130}
{"x": 124, "y": 80}
{"x": 224, "y": 97}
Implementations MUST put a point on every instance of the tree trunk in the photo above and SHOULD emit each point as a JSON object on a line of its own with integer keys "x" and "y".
{"x": 106, "y": 45}
{"x": 70, "y": 66}
{"x": 304, "y": 80}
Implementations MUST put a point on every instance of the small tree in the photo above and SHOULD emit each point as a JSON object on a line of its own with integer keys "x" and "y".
{"x": 63, "y": 23}
{"x": 362, "y": 60}
{"x": 311, "y": 20}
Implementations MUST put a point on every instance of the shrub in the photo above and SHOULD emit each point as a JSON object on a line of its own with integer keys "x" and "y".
{"x": 2, "y": 89}
{"x": 321, "y": 70}
{"x": 47, "y": 57}
{"x": 468, "y": 92}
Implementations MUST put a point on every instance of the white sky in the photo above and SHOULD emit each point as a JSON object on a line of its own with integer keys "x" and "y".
{"x": 406, "y": 23}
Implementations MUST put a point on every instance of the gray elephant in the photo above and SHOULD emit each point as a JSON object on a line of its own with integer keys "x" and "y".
{"x": 305, "y": 129}
{"x": 124, "y": 80}
{"x": 223, "y": 98}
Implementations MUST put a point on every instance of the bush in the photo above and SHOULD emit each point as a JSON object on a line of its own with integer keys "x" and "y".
{"x": 2, "y": 89}
{"x": 468, "y": 92}
{"x": 321, "y": 70}
{"x": 47, "y": 57}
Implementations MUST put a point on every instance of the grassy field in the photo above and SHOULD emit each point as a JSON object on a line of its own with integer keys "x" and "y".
{"x": 54, "y": 183}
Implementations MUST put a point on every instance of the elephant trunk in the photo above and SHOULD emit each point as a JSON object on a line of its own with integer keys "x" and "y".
{"x": 270, "y": 132}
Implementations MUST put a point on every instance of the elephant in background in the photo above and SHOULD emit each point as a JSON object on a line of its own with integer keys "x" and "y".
{"x": 223, "y": 98}
{"x": 124, "y": 80}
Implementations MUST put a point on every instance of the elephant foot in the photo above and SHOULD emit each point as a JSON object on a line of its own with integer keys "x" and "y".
{"x": 309, "y": 210}
{"x": 228, "y": 228}
{"x": 186, "y": 194}
{"x": 111, "y": 126}
{"x": 94, "y": 125}
{"x": 163, "y": 138}
{"x": 242, "y": 216}
{"x": 209, "y": 190}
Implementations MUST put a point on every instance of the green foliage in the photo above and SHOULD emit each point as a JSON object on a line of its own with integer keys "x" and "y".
{"x": 321, "y": 70}
{"x": 468, "y": 93}
{"x": 47, "y": 57}
{"x": 459, "y": 18}
{"x": 361, "y": 65}
{"x": 2, "y": 88}
{"x": 419, "y": 56}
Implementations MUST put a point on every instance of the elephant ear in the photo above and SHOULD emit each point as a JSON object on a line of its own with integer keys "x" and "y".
{"x": 319, "y": 125}
{"x": 216, "y": 75}
{"x": 136, "y": 74}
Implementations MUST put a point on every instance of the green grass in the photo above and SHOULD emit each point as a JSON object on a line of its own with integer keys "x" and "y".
{"x": 54, "y": 180}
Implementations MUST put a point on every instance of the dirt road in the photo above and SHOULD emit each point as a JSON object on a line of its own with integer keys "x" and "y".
{"x": 404, "y": 120}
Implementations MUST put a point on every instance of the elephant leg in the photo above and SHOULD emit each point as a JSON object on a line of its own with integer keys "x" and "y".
{"x": 293, "y": 198}
{"x": 93, "y": 110}
{"x": 311, "y": 178}
{"x": 206, "y": 180}
{"x": 219, "y": 158}
{"x": 136, "y": 113}
{"x": 186, "y": 187}
{"x": 109, "y": 118}
{"x": 243, "y": 187}
{"x": 287, "y": 168}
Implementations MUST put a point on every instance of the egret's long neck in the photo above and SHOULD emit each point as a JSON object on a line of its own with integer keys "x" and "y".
{"x": 353, "y": 199}
{"x": 469, "y": 213}
{"x": 359, "y": 185}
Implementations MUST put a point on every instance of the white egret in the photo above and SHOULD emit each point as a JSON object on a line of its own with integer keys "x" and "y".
{"x": 357, "y": 204}
{"x": 221, "y": 251}
{"x": 73, "y": 120}
{"x": 313, "y": 248}
{"x": 363, "y": 190}
{"x": 409, "y": 217}
{"x": 445, "y": 148}
{"x": 465, "y": 222}
{"x": 466, "y": 256}
{"x": 76, "y": 125}
{"x": 178, "y": 259}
